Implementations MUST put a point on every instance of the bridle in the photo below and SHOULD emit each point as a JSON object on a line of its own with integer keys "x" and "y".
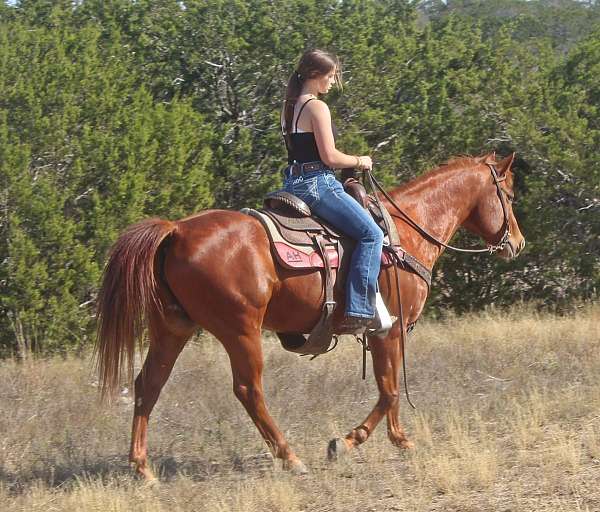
{"x": 503, "y": 195}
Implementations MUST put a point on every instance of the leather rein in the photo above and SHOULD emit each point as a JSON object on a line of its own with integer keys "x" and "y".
{"x": 490, "y": 248}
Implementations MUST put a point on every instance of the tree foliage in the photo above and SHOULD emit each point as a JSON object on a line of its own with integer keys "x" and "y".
{"x": 111, "y": 111}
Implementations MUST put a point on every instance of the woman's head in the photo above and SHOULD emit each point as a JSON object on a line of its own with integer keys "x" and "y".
{"x": 321, "y": 69}
{"x": 316, "y": 64}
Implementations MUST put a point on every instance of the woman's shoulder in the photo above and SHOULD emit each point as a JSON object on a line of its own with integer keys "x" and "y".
{"x": 318, "y": 107}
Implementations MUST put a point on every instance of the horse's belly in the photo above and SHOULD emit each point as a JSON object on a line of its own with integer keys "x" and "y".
{"x": 296, "y": 303}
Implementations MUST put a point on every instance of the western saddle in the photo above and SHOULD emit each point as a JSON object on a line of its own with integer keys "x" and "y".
{"x": 300, "y": 240}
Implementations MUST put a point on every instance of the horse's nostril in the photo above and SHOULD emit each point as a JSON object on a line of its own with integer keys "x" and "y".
{"x": 522, "y": 245}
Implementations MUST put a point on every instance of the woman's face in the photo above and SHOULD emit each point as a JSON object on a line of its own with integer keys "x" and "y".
{"x": 325, "y": 82}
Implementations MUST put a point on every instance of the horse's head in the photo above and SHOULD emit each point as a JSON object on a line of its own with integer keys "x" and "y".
{"x": 493, "y": 218}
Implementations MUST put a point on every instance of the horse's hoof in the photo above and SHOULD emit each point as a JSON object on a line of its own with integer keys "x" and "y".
{"x": 295, "y": 467}
{"x": 404, "y": 444}
{"x": 337, "y": 448}
{"x": 151, "y": 482}
{"x": 145, "y": 475}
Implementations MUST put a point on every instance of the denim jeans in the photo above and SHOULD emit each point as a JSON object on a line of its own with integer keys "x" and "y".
{"x": 326, "y": 197}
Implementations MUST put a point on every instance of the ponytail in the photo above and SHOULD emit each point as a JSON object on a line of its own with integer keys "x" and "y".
{"x": 293, "y": 89}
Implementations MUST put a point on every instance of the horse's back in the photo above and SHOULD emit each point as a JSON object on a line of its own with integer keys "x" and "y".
{"x": 225, "y": 231}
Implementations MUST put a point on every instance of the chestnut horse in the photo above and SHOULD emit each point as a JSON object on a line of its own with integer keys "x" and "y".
{"x": 215, "y": 270}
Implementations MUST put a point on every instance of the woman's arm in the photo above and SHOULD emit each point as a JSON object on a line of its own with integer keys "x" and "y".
{"x": 321, "y": 125}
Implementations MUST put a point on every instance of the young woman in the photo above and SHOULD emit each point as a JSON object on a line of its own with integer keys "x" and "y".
{"x": 310, "y": 140}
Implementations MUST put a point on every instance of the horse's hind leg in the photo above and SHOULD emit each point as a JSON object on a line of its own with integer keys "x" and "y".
{"x": 165, "y": 347}
{"x": 245, "y": 355}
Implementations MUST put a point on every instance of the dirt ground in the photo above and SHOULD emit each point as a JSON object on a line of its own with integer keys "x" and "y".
{"x": 507, "y": 419}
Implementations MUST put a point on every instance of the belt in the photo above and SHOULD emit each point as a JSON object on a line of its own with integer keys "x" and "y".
{"x": 298, "y": 169}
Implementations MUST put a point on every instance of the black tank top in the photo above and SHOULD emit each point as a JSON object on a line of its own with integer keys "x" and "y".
{"x": 303, "y": 145}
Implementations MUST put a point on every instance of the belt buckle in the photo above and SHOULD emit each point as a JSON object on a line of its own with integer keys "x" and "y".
{"x": 311, "y": 166}
{"x": 295, "y": 169}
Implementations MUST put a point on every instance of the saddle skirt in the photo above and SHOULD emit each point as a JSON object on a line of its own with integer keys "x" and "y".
{"x": 293, "y": 240}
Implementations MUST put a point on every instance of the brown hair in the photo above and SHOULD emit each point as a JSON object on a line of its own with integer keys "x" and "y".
{"x": 312, "y": 64}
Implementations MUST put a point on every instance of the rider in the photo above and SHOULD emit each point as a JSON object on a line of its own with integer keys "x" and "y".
{"x": 310, "y": 140}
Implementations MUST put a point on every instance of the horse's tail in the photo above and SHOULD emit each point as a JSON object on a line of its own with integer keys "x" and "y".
{"x": 129, "y": 293}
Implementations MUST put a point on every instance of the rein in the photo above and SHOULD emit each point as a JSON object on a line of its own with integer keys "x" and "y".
{"x": 415, "y": 225}
{"x": 490, "y": 249}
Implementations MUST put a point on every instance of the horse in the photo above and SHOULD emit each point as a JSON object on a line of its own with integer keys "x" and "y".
{"x": 215, "y": 271}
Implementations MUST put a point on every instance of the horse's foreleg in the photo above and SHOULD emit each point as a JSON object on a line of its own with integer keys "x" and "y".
{"x": 245, "y": 354}
{"x": 164, "y": 350}
{"x": 395, "y": 431}
{"x": 387, "y": 358}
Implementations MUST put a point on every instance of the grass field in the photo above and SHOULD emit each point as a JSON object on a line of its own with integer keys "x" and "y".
{"x": 507, "y": 419}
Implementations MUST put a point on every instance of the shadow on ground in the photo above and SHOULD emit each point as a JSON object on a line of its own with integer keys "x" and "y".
{"x": 115, "y": 468}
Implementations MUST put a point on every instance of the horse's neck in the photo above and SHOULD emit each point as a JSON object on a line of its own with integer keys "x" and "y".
{"x": 439, "y": 202}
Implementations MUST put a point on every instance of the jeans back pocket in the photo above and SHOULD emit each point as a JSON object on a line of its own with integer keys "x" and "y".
{"x": 307, "y": 190}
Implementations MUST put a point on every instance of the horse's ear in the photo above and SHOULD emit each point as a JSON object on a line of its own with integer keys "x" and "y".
{"x": 489, "y": 158}
{"x": 505, "y": 164}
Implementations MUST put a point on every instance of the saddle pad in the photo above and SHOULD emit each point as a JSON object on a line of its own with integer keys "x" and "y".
{"x": 295, "y": 257}
{"x": 290, "y": 255}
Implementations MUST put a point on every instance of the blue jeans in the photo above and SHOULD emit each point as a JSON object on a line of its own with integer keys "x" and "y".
{"x": 326, "y": 197}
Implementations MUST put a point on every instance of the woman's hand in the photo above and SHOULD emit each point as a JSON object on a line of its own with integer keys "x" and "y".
{"x": 365, "y": 163}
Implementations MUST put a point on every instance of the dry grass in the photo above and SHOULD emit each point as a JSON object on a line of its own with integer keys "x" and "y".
{"x": 508, "y": 419}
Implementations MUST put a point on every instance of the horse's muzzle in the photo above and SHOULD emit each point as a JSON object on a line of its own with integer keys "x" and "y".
{"x": 510, "y": 250}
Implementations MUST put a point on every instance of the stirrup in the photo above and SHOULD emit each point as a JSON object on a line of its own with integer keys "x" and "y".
{"x": 380, "y": 324}
{"x": 382, "y": 315}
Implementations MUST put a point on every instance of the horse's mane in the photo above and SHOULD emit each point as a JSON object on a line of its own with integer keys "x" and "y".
{"x": 459, "y": 160}
{"x": 454, "y": 162}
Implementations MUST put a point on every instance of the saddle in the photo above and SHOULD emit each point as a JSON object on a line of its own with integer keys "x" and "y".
{"x": 300, "y": 240}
